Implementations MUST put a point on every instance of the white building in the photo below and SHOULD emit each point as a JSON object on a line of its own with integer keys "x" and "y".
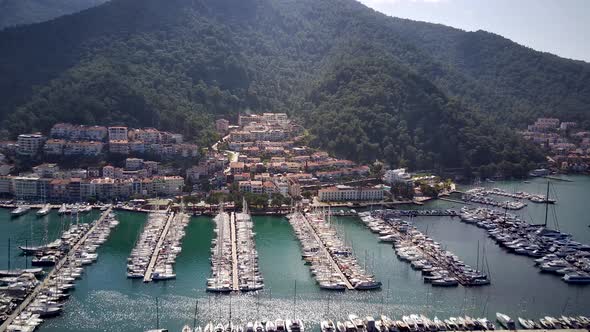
{"x": 133, "y": 164}
{"x": 396, "y": 175}
{"x": 25, "y": 187}
{"x": 29, "y": 144}
{"x": 118, "y": 134}
{"x": 343, "y": 193}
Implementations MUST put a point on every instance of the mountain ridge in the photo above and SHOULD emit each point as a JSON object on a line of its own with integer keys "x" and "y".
{"x": 21, "y": 12}
{"x": 180, "y": 64}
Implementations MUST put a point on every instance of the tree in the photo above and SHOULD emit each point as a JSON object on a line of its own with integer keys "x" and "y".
{"x": 428, "y": 190}
{"x": 403, "y": 190}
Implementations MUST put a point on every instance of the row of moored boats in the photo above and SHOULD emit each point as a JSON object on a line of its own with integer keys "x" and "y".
{"x": 406, "y": 323}
{"x": 249, "y": 275}
{"x": 439, "y": 267}
{"x": 332, "y": 262}
{"x": 170, "y": 248}
{"x": 49, "y": 299}
{"x": 553, "y": 251}
{"x": 141, "y": 254}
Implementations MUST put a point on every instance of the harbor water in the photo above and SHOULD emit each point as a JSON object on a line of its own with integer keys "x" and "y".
{"x": 105, "y": 300}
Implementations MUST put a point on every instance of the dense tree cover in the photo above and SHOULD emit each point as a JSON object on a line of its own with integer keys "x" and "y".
{"x": 370, "y": 107}
{"x": 368, "y": 86}
{"x": 17, "y": 12}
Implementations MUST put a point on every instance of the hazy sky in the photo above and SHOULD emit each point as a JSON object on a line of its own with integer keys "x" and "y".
{"x": 560, "y": 27}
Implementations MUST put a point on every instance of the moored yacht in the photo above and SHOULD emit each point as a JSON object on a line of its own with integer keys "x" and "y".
{"x": 20, "y": 210}
{"x": 505, "y": 321}
{"x": 577, "y": 278}
{"x": 44, "y": 210}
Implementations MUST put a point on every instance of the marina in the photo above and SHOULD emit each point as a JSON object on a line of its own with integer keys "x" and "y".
{"x": 106, "y": 300}
{"x": 478, "y": 196}
{"x": 143, "y": 257}
{"x": 439, "y": 267}
{"x": 553, "y": 251}
{"x": 535, "y": 198}
{"x": 333, "y": 264}
{"x": 168, "y": 248}
{"x": 44, "y": 300}
{"x": 223, "y": 256}
{"x": 249, "y": 275}
{"x": 234, "y": 258}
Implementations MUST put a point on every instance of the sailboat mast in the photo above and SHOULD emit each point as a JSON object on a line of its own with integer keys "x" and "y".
{"x": 294, "y": 299}
{"x": 477, "y": 264}
{"x": 8, "y": 254}
{"x": 196, "y": 313}
{"x": 547, "y": 204}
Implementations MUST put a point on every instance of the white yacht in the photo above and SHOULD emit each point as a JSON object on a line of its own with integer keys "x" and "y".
{"x": 577, "y": 278}
{"x": 505, "y": 321}
{"x": 20, "y": 210}
{"x": 44, "y": 210}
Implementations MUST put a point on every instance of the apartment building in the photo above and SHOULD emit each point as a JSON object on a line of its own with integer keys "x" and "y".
{"x": 118, "y": 134}
{"x": 343, "y": 193}
{"x": 29, "y": 144}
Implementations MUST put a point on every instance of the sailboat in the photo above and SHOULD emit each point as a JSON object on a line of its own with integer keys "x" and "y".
{"x": 187, "y": 327}
{"x": 158, "y": 329}
{"x": 17, "y": 272}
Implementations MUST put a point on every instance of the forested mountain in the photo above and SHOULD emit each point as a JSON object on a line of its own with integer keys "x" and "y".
{"x": 18, "y": 12}
{"x": 366, "y": 85}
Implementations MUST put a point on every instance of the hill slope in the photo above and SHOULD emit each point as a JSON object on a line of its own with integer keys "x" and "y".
{"x": 369, "y": 86}
{"x": 18, "y": 12}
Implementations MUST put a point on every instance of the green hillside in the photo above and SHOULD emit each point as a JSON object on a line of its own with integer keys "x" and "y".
{"x": 368, "y": 86}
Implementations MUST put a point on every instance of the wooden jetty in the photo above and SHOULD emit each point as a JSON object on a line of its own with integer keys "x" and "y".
{"x": 325, "y": 250}
{"x": 148, "y": 272}
{"x": 56, "y": 268}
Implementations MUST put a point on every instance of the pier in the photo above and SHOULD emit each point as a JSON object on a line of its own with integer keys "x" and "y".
{"x": 148, "y": 272}
{"x": 143, "y": 255}
{"x": 440, "y": 267}
{"x": 234, "y": 253}
{"x": 334, "y": 266}
{"x": 27, "y": 301}
{"x": 249, "y": 277}
{"x": 221, "y": 280}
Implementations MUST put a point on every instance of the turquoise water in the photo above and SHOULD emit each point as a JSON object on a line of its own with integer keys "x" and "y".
{"x": 105, "y": 300}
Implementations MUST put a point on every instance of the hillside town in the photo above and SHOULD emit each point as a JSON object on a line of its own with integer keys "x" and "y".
{"x": 261, "y": 158}
{"x": 567, "y": 146}
{"x": 142, "y": 155}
